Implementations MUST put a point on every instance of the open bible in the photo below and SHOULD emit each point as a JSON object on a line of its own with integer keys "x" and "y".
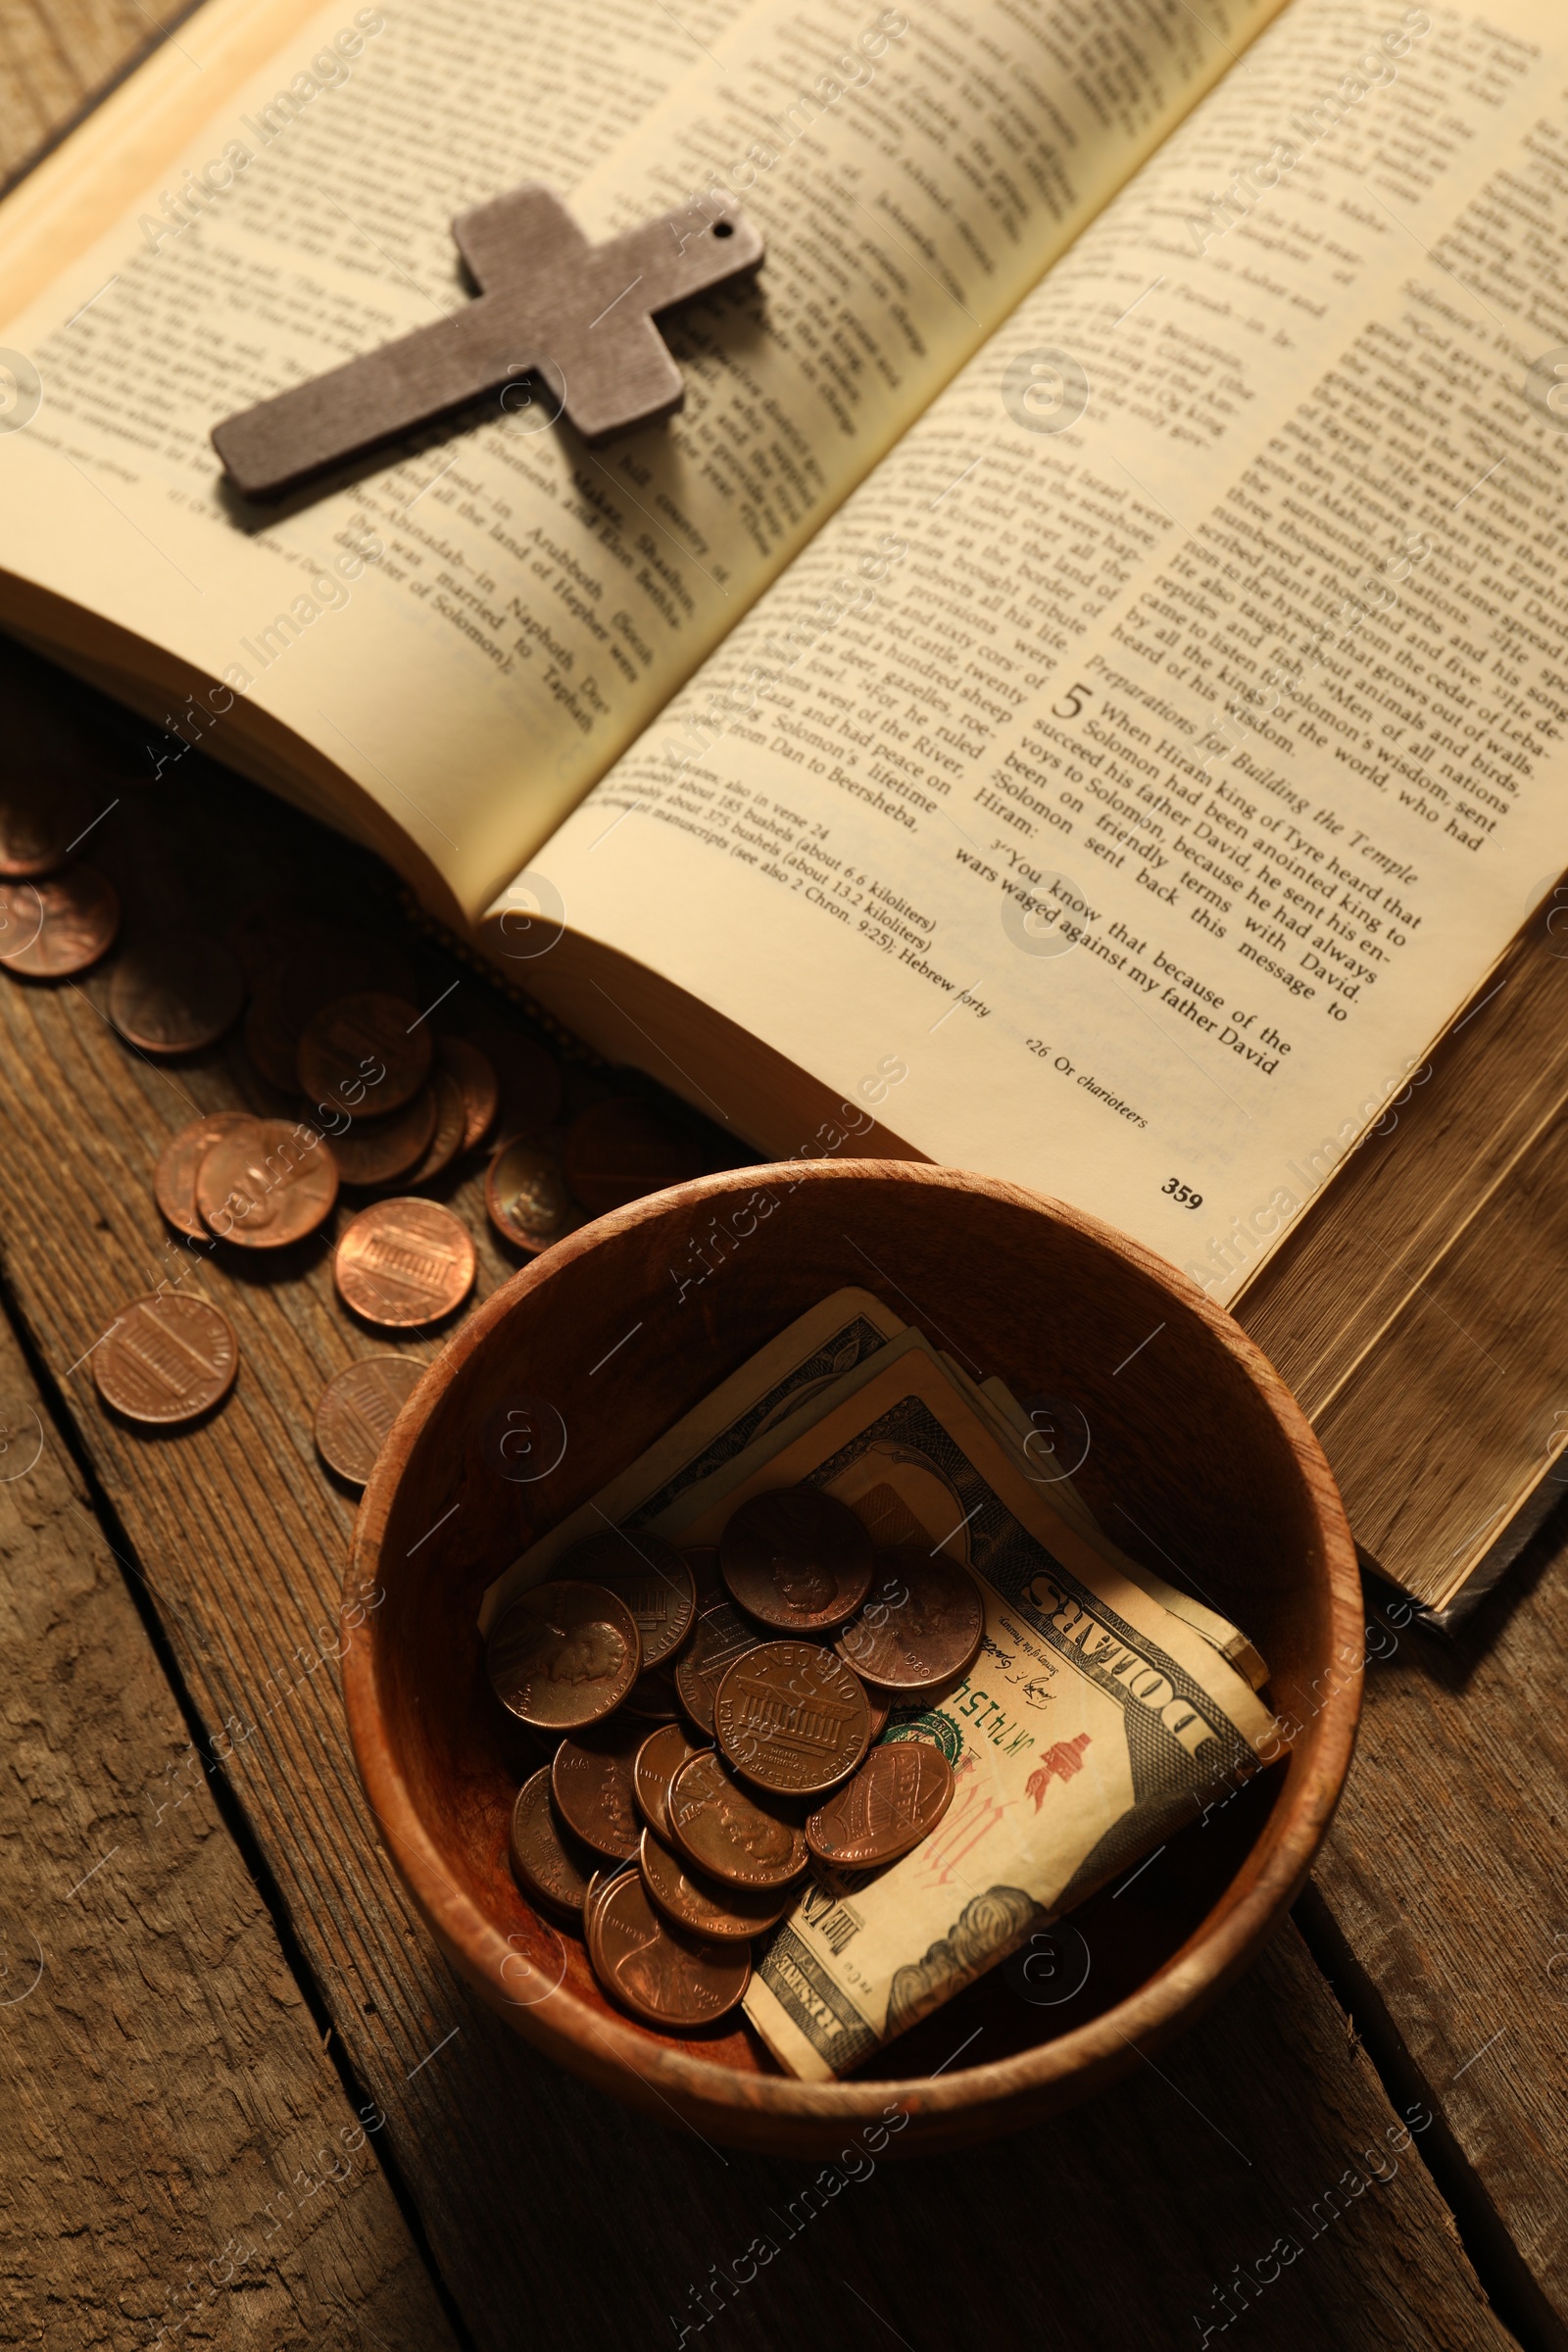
{"x": 1081, "y": 677}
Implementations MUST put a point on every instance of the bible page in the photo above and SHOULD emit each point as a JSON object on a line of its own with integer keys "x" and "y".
{"x": 1145, "y": 766}
{"x": 471, "y": 633}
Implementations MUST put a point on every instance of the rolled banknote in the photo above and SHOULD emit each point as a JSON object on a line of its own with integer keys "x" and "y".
{"x": 1091, "y": 1725}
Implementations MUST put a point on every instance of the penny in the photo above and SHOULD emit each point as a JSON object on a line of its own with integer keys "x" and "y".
{"x": 401, "y": 1264}
{"x": 897, "y": 1797}
{"x": 527, "y": 1081}
{"x": 40, "y": 815}
{"x": 478, "y": 1082}
{"x": 527, "y": 1199}
{"x": 920, "y": 1624}
{"x": 797, "y": 1559}
{"x": 605, "y": 1877}
{"x": 620, "y": 1149}
{"x": 175, "y": 993}
{"x": 652, "y": 1695}
{"x": 265, "y": 1185}
{"x": 652, "y": 1579}
{"x": 58, "y": 926}
{"x": 729, "y": 1832}
{"x": 269, "y": 1041}
{"x": 371, "y": 1152}
{"x": 706, "y": 1906}
{"x": 658, "y": 1760}
{"x": 450, "y": 1125}
{"x": 325, "y": 963}
{"x": 591, "y": 1781}
{"x": 561, "y": 1656}
{"x": 881, "y": 1708}
{"x": 722, "y": 1636}
{"x": 174, "y": 1178}
{"x": 369, "y": 1051}
{"x": 357, "y": 1408}
{"x": 791, "y": 1718}
{"x": 550, "y": 1866}
{"x": 664, "y": 1977}
{"x": 165, "y": 1360}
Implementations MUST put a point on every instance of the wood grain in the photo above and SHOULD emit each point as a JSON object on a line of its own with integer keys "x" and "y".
{"x": 531, "y": 2187}
{"x": 164, "y": 2102}
{"x": 56, "y": 56}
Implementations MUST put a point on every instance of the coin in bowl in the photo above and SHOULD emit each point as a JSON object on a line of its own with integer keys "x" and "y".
{"x": 721, "y": 1637}
{"x": 920, "y": 1625}
{"x": 897, "y": 1797}
{"x": 591, "y": 1781}
{"x": 706, "y": 1906}
{"x": 652, "y": 1579}
{"x": 729, "y": 1832}
{"x": 658, "y": 1758}
{"x": 791, "y": 1718}
{"x": 561, "y": 1657}
{"x": 799, "y": 1561}
{"x": 664, "y": 1978}
{"x": 550, "y": 1865}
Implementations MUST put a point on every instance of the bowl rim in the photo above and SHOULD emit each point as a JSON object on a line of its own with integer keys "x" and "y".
{"x": 604, "y": 2046}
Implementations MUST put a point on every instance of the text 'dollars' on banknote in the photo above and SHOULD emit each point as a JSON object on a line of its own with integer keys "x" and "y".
{"x": 1090, "y": 1728}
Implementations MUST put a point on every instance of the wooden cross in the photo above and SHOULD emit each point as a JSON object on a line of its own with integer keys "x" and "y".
{"x": 550, "y": 304}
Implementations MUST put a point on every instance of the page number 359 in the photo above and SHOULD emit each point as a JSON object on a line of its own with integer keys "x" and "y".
{"x": 1182, "y": 1193}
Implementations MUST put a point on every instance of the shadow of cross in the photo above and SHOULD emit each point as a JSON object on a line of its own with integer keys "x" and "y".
{"x": 550, "y": 304}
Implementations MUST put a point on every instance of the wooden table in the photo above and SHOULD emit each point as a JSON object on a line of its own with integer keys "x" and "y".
{"x": 246, "y": 2101}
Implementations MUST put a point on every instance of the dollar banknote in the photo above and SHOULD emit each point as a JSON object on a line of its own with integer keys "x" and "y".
{"x": 1090, "y": 1728}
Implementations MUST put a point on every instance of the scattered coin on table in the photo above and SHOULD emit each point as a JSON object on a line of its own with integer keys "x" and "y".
{"x": 591, "y": 1781}
{"x": 476, "y": 1081}
{"x": 175, "y": 993}
{"x": 383, "y": 1150}
{"x": 798, "y": 1559}
{"x": 262, "y": 1184}
{"x": 40, "y": 817}
{"x": 174, "y": 1178}
{"x": 897, "y": 1797}
{"x": 664, "y": 1977}
{"x": 658, "y": 1759}
{"x": 269, "y": 1041}
{"x": 369, "y": 1051}
{"x": 721, "y": 1637}
{"x": 621, "y": 1148}
{"x": 357, "y": 1408}
{"x": 729, "y": 1832}
{"x": 791, "y": 1718}
{"x": 450, "y": 1125}
{"x": 404, "y": 1263}
{"x": 707, "y": 1906}
{"x": 652, "y": 1579}
{"x": 920, "y": 1624}
{"x": 562, "y": 1655}
{"x": 527, "y": 1199}
{"x": 550, "y": 1865}
{"x": 57, "y": 926}
{"x": 165, "y": 1360}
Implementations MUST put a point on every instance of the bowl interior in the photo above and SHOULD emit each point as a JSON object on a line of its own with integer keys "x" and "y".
{"x": 1195, "y": 1463}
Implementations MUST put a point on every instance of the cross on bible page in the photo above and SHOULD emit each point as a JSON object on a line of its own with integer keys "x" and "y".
{"x": 550, "y": 304}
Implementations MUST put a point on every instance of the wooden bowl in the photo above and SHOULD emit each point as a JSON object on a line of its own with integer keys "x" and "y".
{"x": 1199, "y": 1454}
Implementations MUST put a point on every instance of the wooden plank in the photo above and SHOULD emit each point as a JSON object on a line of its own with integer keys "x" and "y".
{"x": 535, "y": 2194}
{"x": 55, "y": 56}
{"x": 165, "y": 2101}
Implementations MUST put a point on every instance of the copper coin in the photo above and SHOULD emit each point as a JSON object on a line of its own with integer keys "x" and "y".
{"x": 728, "y": 1832}
{"x": 325, "y": 963}
{"x": 722, "y": 1636}
{"x": 527, "y": 1199}
{"x": 658, "y": 1760}
{"x": 605, "y": 1877}
{"x": 381, "y": 1151}
{"x": 479, "y": 1085}
{"x": 401, "y": 1264}
{"x": 165, "y": 1360}
{"x": 881, "y": 1708}
{"x": 706, "y": 1906}
{"x": 269, "y": 1041}
{"x": 666, "y": 1978}
{"x": 265, "y": 1183}
{"x": 39, "y": 818}
{"x": 620, "y": 1149}
{"x": 561, "y": 1656}
{"x": 53, "y": 928}
{"x": 369, "y": 1052}
{"x": 175, "y": 993}
{"x": 450, "y": 1126}
{"x": 527, "y": 1080}
{"x": 791, "y": 1718}
{"x": 175, "y": 1179}
{"x": 357, "y": 1408}
{"x": 550, "y": 1865}
{"x": 897, "y": 1797}
{"x": 652, "y": 1579}
{"x": 591, "y": 1781}
{"x": 797, "y": 1559}
{"x": 920, "y": 1625}
{"x": 652, "y": 1696}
